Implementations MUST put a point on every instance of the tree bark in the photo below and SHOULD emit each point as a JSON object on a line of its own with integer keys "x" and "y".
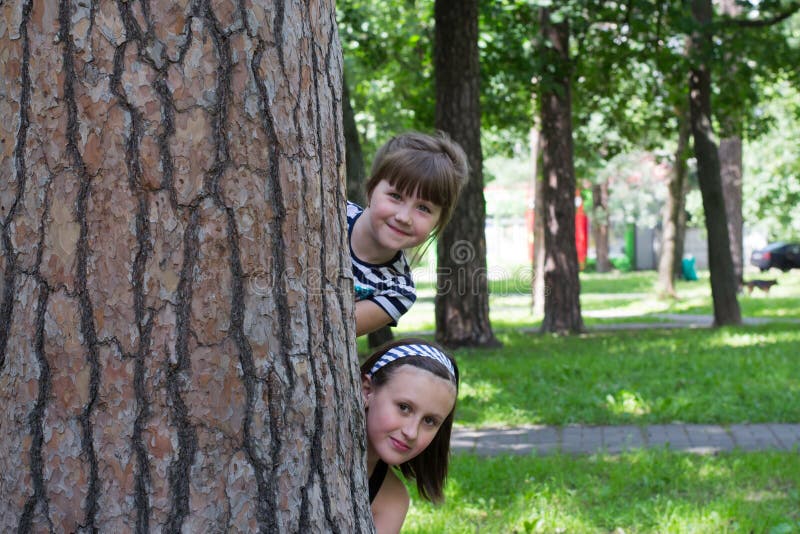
{"x": 538, "y": 222}
{"x": 562, "y": 312}
{"x": 462, "y": 297}
{"x": 731, "y": 169}
{"x": 673, "y": 227}
{"x": 730, "y": 157}
{"x": 178, "y": 351}
{"x": 600, "y": 226}
{"x": 723, "y": 280}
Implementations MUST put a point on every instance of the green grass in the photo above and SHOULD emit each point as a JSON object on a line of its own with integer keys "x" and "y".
{"x": 646, "y": 491}
{"x": 651, "y": 376}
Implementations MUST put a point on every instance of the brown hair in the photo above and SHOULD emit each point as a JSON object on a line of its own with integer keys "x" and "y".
{"x": 433, "y": 167}
{"x": 428, "y": 468}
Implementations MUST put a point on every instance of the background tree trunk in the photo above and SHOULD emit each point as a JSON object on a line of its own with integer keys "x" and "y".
{"x": 179, "y": 335}
{"x": 731, "y": 169}
{"x": 673, "y": 227}
{"x": 723, "y": 281}
{"x": 562, "y": 287}
{"x": 730, "y": 158}
{"x": 600, "y": 226}
{"x": 538, "y": 221}
{"x": 462, "y": 298}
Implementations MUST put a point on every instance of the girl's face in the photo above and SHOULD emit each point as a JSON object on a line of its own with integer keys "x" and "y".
{"x": 405, "y": 413}
{"x": 399, "y": 221}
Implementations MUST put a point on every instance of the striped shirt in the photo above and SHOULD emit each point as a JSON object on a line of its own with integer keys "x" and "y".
{"x": 389, "y": 285}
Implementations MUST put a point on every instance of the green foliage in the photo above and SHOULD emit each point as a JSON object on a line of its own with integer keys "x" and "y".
{"x": 621, "y": 263}
{"x": 628, "y": 66}
{"x": 506, "y": 31}
{"x": 772, "y": 169}
{"x": 388, "y": 59}
{"x": 645, "y": 491}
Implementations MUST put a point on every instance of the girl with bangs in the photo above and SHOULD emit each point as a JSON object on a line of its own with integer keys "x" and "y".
{"x": 413, "y": 188}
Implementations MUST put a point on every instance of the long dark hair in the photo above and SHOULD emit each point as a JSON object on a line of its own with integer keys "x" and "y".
{"x": 428, "y": 468}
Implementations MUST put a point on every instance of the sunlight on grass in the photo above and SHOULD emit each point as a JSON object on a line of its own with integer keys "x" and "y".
{"x": 645, "y": 491}
{"x": 480, "y": 391}
{"x": 740, "y": 339}
{"x": 627, "y": 402}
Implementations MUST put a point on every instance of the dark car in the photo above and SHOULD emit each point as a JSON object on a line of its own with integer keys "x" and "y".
{"x": 783, "y": 256}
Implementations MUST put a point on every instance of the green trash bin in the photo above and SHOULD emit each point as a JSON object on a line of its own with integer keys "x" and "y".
{"x": 687, "y": 266}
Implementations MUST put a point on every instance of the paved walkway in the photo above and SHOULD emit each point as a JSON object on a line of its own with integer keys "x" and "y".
{"x": 699, "y": 439}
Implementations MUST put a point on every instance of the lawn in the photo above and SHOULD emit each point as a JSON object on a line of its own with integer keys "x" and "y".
{"x": 728, "y": 375}
{"x": 647, "y": 491}
{"x": 742, "y": 374}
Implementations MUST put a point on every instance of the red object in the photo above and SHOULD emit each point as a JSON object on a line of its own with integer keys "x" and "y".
{"x": 581, "y": 234}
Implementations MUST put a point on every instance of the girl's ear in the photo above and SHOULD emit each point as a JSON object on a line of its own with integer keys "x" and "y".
{"x": 366, "y": 389}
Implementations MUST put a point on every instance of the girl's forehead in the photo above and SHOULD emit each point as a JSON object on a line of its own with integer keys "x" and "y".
{"x": 422, "y": 386}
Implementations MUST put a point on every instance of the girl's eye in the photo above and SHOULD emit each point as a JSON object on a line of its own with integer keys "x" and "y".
{"x": 425, "y": 209}
{"x": 404, "y": 407}
{"x": 395, "y": 195}
{"x": 430, "y": 421}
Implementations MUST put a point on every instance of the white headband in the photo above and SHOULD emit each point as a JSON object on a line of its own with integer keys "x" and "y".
{"x": 401, "y": 351}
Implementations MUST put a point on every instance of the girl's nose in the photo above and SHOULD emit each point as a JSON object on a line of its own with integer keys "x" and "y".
{"x": 404, "y": 214}
{"x": 410, "y": 430}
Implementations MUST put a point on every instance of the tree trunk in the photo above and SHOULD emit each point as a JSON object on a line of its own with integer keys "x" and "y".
{"x": 562, "y": 312}
{"x": 600, "y": 226}
{"x": 178, "y": 351}
{"x": 538, "y": 222}
{"x": 723, "y": 280}
{"x": 680, "y": 230}
{"x": 462, "y": 299}
{"x": 674, "y": 211}
{"x": 730, "y": 157}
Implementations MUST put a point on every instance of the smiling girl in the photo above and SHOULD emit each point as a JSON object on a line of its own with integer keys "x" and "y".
{"x": 412, "y": 191}
{"x": 410, "y": 389}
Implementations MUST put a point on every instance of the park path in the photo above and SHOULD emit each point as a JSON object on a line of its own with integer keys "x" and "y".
{"x": 582, "y": 439}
